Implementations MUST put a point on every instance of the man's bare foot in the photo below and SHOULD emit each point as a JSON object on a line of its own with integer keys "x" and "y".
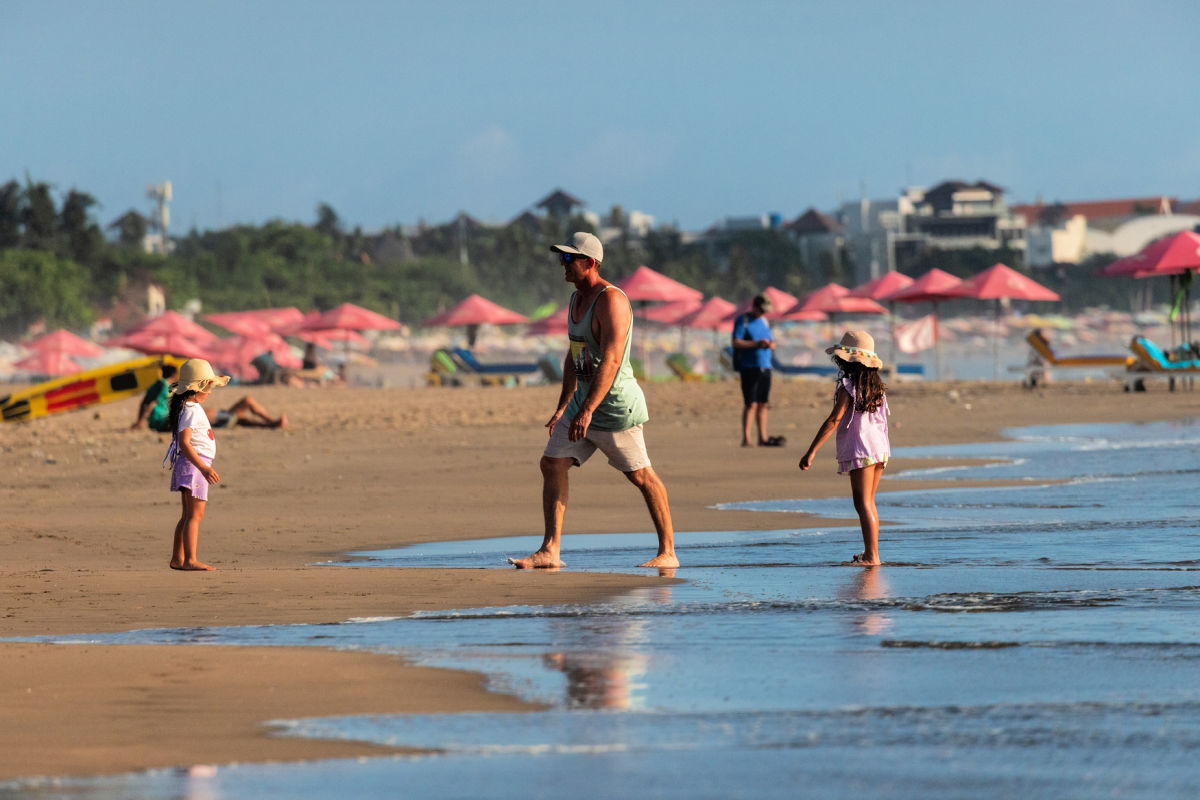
{"x": 861, "y": 560}
{"x": 667, "y": 560}
{"x": 195, "y": 566}
{"x": 282, "y": 422}
{"x": 539, "y": 560}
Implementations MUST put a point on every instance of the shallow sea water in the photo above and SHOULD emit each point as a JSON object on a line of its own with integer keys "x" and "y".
{"x": 1041, "y": 640}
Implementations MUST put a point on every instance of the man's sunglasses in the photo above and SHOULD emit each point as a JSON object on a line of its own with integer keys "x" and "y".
{"x": 567, "y": 258}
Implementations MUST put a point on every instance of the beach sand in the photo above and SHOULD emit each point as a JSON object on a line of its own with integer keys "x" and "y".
{"x": 88, "y": 520}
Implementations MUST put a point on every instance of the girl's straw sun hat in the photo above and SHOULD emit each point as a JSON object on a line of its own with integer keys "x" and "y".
{"x": 196, "y": 375}
{"x": 856, "y": 346}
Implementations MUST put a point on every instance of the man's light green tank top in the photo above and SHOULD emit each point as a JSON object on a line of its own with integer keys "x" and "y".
{"x": 624, "y": 406}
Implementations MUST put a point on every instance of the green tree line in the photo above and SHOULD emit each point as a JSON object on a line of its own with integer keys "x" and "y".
{"x": 57, "y": 265}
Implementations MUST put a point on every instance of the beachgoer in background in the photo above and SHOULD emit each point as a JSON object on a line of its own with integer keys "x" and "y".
{"x": 753, "y": 348}
{"x": 600, "y": 407}
{"x": 247, "y": 412}
{"x": 154, "y": 409}
{"x": 863, "y": 447}
{"x": 191, "y": 454}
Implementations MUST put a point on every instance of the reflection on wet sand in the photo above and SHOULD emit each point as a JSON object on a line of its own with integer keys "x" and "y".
{"x": 609, "y": 673}
{"x": 868, "y": 584}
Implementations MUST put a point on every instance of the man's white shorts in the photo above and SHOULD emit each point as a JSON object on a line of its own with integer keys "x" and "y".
{"x": 626, "y": 450}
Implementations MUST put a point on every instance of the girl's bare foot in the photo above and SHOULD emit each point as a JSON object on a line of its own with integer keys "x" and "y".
{"x": 195, "y": 566}
{"x": 539, "y": 560}
{"x": 176, "y": 564}
{"x": 663, "y": 560}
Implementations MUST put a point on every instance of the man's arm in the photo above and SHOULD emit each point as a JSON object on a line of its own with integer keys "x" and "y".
{"x": 568, "y": 389}
{"x": 611, "y": 318}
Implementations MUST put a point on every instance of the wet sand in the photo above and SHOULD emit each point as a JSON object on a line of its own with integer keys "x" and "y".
{"x": 87, "y": 524}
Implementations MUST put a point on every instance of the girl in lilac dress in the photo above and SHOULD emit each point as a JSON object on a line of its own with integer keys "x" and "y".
{"x": 860, "y": 417}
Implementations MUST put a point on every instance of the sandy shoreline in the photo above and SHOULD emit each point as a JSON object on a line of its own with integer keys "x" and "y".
{"x": 88, "y": 519}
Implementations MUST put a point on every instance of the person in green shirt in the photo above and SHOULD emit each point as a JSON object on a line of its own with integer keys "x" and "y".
{"x": 154, "y": 410}
{"x": 601, "y": 406}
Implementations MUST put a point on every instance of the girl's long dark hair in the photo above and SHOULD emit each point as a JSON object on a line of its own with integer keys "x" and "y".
{"x": 868, "y": 386}
{"x": 175, "y": 406}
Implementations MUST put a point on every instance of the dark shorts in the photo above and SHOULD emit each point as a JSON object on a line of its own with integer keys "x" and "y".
{"x": 756, "y": 385}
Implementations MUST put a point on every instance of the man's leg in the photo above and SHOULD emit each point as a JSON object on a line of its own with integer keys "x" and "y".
{"x": 748, "y": 414}
{"x": 248, "y": 405}
{"x": 760, "y": 412}
{"x": 655, "y": 494}
{"x": 554, "y": 508}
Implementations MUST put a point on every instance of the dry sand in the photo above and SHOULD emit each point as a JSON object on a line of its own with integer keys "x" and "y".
{"x": 87, "y": 525}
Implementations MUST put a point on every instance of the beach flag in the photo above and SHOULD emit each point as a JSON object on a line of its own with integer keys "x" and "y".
{"x": 920, "y": 334}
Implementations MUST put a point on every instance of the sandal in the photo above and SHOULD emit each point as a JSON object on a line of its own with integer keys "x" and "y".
{"x": 774, "y": 441}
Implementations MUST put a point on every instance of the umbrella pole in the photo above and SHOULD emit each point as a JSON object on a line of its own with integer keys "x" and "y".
{"x": 937, "y": 345}
{"x": 996, "y": 342}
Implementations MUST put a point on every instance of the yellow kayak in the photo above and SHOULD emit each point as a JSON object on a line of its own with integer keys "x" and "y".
{"x": 91, "y": 387}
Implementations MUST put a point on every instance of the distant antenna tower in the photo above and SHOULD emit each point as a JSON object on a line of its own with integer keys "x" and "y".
{"x": 160, "y": 193}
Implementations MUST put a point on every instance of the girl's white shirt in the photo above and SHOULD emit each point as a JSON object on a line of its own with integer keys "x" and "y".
{"x": 192, "y": 416}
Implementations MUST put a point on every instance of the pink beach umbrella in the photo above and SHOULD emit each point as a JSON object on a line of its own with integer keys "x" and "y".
{"x": 1001, "y": 282}
{"x": 48, "y": 362}
{"x": 933, "y": 287}
{"x": 152, "y": 343}
{"x": 555, "y": 323}
{"x": 174, "y": 323}
{"x": 879, "y": 289}
{"x": 473, "y": 312}
{"x": 649, "y": 286}
{"x": 63, "y": 341}
{"x": 348, "y": 316}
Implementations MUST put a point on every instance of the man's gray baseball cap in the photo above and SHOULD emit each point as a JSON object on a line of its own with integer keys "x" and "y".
{"x": 583, "y": 244}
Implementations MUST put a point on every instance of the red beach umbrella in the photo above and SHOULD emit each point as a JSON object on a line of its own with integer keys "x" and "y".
{"x": 475, "y": 310}
{"x": 713, "y": 314}
{"x": 555, "y": 323}
{"x": 881, "y": 287}
{"x": 348, "y": 316}
{"x": 67, "y": 343}
{"x": 781, "y": 302}
{"x": 1001, "y": 282}
{"x": 48, "y": 362}
{"x": 646, "y": 285}
{"x": 240, "y": 322}
{"x": 668, "y": 313}
{"x": 1171, "y": 255}
{"x": 172, "y": 322}
{"x": 932, "y": 287}
{"x": 152, "y": 343}
{"x": 812, "y": 305}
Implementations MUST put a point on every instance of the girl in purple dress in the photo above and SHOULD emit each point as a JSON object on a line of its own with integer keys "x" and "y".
{"x": 860, "y": 417}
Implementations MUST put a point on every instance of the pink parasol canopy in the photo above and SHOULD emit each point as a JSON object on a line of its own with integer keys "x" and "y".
{"x": 713, "y": 314}
{"x": 1170, "y": 255}
{"x": 48, "y": 362}
{"x": 812, "y": 305}
{"x": 1001, "y": 282}
{"x": 475, "y": 310}
{"x": 348, "y": 316}
{"x": 172, "y": 322}
{"x": 932, "y": 287}
{"x": 881, "y": 287}
{"x": 152, "y": 343}
{"x": 244, "y": 323}
{"x": 67, "y": 343}
{"x": 555, "y": 323}
{"x": 646, "y": 285}
{"x": 668, "y": 313}
{"x": 235, "y": 354}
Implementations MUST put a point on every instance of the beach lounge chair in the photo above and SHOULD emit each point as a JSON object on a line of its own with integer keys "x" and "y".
{"x": 442, "y": 370}
{"x": 681, "y": 367}
{"x": 1044, "y": 356}
{"x": 1152, "y": 361}
{"x": 493, "y": 374}
{"x": 551, "y": 367}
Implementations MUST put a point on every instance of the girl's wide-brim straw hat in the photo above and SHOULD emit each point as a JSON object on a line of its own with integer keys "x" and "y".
{"x": 196, "y": 375}
{"x": 857, "y": 346}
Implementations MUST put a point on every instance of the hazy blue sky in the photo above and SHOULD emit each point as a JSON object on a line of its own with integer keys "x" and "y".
{"x": 393, "y": 112}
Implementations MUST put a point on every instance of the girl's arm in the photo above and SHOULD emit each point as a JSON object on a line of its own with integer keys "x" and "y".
{"x": 189, "y": 452}
{"x": 841, "y": 401}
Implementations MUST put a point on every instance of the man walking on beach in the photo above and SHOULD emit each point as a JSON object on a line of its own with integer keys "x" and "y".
{"x": 753, "y": 346}
{"x": 600, "y": 407}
